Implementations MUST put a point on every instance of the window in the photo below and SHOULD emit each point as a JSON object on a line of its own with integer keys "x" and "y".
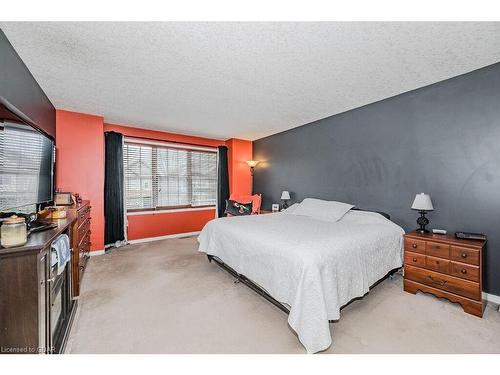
{"x": 163, "y": 176}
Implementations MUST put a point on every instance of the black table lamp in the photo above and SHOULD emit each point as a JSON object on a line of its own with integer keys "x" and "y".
{"x": 422, "y": 204}
{"x": 285, "y": 197}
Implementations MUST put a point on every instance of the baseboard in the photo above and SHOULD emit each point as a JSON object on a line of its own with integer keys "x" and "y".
{"x": 491, "y": 298}
{"x": 93, "y": 253}
{"x": 169, "y": 236}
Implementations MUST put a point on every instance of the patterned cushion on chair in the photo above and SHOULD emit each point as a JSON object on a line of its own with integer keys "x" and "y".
{"x": 255, "y": 199}
{"x": 234, "y": 208}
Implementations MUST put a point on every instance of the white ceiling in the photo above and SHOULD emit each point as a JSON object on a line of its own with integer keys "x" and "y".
{"x": 244, "y": 80}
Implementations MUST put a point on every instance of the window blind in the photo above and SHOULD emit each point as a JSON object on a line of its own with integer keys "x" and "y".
{"x": 162, "y": 177}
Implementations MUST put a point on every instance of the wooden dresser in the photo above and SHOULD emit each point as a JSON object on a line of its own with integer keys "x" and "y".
{"x": 446, "y": 267}
{"x": 81, "y": 242}
{"x": 36, "y": 304}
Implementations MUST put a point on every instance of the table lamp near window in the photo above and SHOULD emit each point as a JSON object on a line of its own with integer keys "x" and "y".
{"x": 285, "y": 197}
{"x": 422, "y": 204}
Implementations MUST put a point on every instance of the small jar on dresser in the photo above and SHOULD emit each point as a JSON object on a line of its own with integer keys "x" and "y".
{"x": 445, "y": 266}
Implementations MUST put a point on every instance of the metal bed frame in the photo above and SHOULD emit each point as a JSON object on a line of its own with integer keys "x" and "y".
{"x": 263, "y": 293}
{"x": 240, "y": 278}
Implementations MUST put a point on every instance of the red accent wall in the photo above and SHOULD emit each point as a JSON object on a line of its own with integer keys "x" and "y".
{"x": 80, "y": 164}
{"x": 240, "y": 178}
{"x": 80, "y": 168}
{"x": 162, "y": 224}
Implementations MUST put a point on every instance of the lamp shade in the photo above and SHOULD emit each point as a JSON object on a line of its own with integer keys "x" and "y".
{"x": 252, "y": 163}
{"x": 422, "y": 202}
{"x": 285, "y": 195}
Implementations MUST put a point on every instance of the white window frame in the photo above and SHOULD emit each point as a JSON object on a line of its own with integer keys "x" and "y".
{"x": 155, "y": 211}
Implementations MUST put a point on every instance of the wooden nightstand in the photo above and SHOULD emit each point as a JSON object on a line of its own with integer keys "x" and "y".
{"x": 446, "y": 267}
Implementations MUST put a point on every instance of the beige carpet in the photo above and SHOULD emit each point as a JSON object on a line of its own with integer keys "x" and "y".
{"x": 164, "y": 297}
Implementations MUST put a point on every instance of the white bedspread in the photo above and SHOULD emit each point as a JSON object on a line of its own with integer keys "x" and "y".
{"x": 313, "y": 266}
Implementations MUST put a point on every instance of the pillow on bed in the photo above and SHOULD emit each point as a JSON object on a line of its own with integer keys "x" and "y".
{"x": 322, "y": 210}
{"x": 234, "y": 208}
{"x": 291, "y": 209}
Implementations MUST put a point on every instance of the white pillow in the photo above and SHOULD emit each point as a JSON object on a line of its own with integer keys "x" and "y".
{"x": 291, "y": 209}
{"x": 322, "y": 210}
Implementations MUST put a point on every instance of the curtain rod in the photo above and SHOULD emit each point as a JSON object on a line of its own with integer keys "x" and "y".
{"x": 164, "y": 141}
{"x": 176, "y": 145}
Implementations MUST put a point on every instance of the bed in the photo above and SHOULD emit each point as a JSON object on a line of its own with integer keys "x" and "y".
{"x": 305, "y": 265}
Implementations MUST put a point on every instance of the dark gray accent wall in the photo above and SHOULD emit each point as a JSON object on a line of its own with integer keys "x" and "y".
{"x": 20, "y": 89}
{"x": 442, "y": 139}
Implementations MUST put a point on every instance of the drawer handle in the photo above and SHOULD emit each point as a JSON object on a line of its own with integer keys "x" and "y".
{"x": 464, "y": 255}
{"x": 464, "y": 271}
{"x": 414, "y": 245}
{"x": 437, "y": 282}
{"x": 414, "y": 259}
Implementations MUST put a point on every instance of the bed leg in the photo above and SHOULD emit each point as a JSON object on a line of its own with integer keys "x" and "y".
{"x": 392, "y": 273}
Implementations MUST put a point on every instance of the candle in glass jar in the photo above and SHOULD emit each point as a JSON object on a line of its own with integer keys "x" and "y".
{"x": 13, "y": 232}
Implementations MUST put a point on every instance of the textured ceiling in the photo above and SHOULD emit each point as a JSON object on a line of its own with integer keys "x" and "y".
{"x": 244, "y": 80}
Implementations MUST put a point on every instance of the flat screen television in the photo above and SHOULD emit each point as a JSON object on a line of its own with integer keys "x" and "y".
{"x": 26, "y": 164}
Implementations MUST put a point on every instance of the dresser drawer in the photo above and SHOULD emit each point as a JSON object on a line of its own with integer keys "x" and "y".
{"x": 83, "y": 215}
{"x": 84, "y": 244}
{"x": 464, "y": 271}
{"x": 83, "y": 229}
{"x": 464, "y": 255}
{"x": 83, "y": 262}
{"x": 444, "y": 282}
{"x": 437, "y": 264}
{"x": 436, "y": 249}
{"x": 414, "y": 259}
{"x": 416, "y": 246}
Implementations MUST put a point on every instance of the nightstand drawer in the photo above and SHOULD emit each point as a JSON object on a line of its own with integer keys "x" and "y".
{"x": 444, "y": 282}
{"x": 437, "y": 264}
{"x": 464, "y": 255}
{"x": 464, "y": 271}
{"x": 415, "y": 246}
{"x": 414, "y": 259}
{"x": 437, "y": 249}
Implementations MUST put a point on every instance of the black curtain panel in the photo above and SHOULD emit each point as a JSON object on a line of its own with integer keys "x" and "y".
{"x": 222, "y": 181}
{"x": 113, "y": 188}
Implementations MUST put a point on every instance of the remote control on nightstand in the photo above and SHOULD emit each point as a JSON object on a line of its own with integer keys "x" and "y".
{"x": 439, "y": 231}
